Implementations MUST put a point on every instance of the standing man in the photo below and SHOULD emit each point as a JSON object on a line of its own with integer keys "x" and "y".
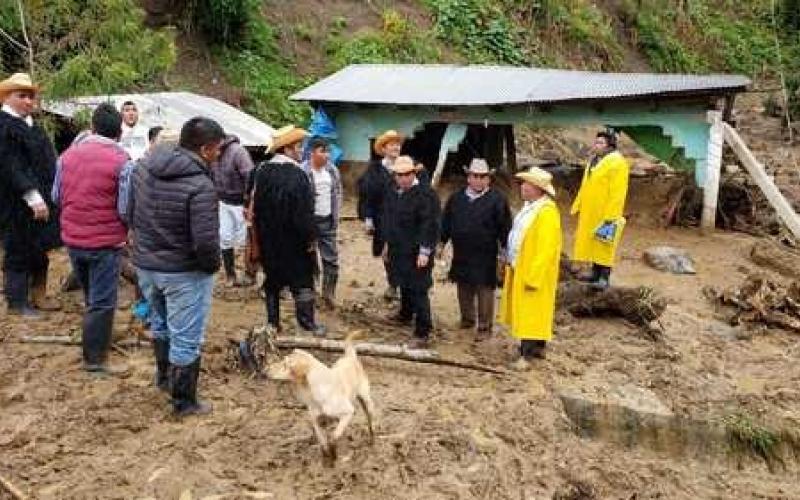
{"x": 27, "y": 216}
{"x": 527, "y": 304}
{"x": 91, "y": 191}
{"x": 135, "y": 137}
{"x": 230, "y": 178}
{"x": 327, "y": 185}
{"x": 477, "y": 220}
{"x": 372, "y": 188}
{"x": 283, "y": 208}
{"x": 174, "y": 215}
{"x": 410, "y": 221}
{"x": 599, "y": 205}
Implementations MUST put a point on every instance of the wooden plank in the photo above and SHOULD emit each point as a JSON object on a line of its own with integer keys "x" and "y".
{"x": 768, "y": 187}
{"x": 713, "y": 167}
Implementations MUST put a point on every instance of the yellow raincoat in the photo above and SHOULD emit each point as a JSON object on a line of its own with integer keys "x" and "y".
{"x": 601, "y": 198}
{"x": 528, "y": 300}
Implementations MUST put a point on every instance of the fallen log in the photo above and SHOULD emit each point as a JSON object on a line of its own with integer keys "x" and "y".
{"x": 640, "y": 305}
{"x": 382, "y": 351}
{"x": 11, "y": 489}
{"x": 67, "y": 340}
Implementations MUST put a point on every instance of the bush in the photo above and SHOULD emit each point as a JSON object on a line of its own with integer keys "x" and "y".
{"x": 222, "y": 21}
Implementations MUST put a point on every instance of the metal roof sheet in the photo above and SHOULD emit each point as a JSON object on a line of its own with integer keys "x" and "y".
{"x": 172, "y": 109}
{"x": 447, "y": 85}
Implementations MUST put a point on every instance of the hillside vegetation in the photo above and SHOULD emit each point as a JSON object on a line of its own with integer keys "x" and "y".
{"x": 270, "y": 49}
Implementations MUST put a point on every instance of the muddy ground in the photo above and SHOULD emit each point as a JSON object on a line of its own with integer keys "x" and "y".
{"x": 442, "y": 433}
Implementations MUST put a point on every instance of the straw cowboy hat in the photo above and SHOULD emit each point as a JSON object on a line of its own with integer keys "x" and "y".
{"x": 286, "y": 136}
{"x": 479, "y": 166}
{"x": 404, "y": 165}
{"x": 17, "y": 81}
{"x": 538, "y": 178}
{"x": 387, "y": 137}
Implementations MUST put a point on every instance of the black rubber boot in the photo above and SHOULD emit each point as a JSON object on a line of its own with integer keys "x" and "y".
{"x": 183, "y": 381}
{"x": 273, "y": 303}
{"x": 229, "y": 263}
{"x": 98, "y": 326}
{"x": 304, "y": 312}
{"x": 161, "y": 352}
{"x": 329, "y": 281}
{"x": 602, "y": 279}
{"x": 16, "y": 291}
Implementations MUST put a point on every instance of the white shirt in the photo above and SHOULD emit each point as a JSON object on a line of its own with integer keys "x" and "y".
{"x": 323, "y": 192}
{"x": 522, "y": 222}
{"x": 28, "y": 119}
{"x": 134, "y": 141}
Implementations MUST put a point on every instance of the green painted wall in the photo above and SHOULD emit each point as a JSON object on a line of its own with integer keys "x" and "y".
{"x": 683, "y": 126}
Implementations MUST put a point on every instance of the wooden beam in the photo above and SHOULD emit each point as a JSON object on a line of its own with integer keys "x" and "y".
{"x": 713, "y": 166}
{"x": 768, "y": 187}
{"x": 511, "y": 150}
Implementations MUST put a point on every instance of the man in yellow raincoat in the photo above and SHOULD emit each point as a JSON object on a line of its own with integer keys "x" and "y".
{"x": 527, "y": 304}
{"x": 599, "y": 205}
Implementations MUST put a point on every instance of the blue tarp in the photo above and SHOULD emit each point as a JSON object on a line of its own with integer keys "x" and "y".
{"x": 322, "y": 126}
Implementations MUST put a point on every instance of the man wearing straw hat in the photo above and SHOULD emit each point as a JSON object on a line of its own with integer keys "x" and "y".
{"x": 372, "y": 188}
{"x": 283, "y": 213}
{"x": 477, "y": 220}
{"x": 27, "y": 214}
{"x": 527, "y": 304}
{"x": 411, "y": 229}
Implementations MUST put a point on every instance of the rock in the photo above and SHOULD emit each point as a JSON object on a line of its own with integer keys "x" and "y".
{"x": 669, "y": 259}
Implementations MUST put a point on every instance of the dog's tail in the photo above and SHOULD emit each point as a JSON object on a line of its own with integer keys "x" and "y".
{"x": 349, "y": 347}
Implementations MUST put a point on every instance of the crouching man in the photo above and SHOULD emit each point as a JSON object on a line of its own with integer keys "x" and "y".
{"x": 176, "y": 251}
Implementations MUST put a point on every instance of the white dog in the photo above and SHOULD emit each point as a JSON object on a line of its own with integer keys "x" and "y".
{"x": 328, "y": 392}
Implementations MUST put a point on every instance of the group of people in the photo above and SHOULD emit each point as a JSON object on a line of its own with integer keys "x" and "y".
{"x": 180, "y": 204}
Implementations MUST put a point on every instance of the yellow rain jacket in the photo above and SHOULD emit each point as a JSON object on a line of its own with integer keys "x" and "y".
{"x": 528, "y": 300}
{"x": 601, "y": 198}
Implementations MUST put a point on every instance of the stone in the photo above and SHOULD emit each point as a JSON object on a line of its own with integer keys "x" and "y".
{"x": 669, "y": 259}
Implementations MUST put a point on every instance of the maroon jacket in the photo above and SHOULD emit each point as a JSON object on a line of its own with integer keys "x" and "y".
{"x": 89, "y": 186}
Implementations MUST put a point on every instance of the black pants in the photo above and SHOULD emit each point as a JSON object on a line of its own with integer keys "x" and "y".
{"x": 23, "y": 249}
{"x": 415, "y": 303}
{"x": 599, "y": 271}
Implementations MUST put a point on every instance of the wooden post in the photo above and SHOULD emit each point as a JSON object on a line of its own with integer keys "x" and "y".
{"x": 708, "y": 217}
{"x": 768, "y": 187}
{"x": 511, "y": 150}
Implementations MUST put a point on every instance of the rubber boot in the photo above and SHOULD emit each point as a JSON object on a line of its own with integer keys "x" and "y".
{"x": 273, "y": 304}
{"x": 39, "y": 298}
{"x": 16, "y": 291}
{"x": 229, "y": 263}
{"x": 329, "y": 281}
{"x": 603, "y": 279}
{"x": 183, "y": 381}
{"x": 98, "y": 326}
{"x": 304, "y": 312}
{"x": 161, "y": 352}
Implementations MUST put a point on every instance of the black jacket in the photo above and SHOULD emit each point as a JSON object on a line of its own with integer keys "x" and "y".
{"x": 477, "y": 228}
{"x": 174, "y": 213}
{"x": 411, "y": 222}
{"x": 284, "y": 217}
{"x": 27, "y": 161}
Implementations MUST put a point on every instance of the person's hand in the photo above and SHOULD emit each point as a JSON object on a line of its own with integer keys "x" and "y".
{"x": 40, "y": 211}
{"x": 385, "y": 253}
{"x": 422, "y": 261}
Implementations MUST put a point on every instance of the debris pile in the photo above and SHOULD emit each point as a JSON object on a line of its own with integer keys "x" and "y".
{"x": 761, "y": 301}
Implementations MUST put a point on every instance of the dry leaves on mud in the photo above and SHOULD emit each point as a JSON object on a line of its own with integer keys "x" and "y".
{"x": 761, "y": 301}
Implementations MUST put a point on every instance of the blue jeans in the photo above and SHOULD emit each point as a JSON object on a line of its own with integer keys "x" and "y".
{"x": 179, "y": 307}
{"x": 98, "y": 273}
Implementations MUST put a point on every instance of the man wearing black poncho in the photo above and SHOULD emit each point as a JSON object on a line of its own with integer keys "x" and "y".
{"x": 284, "y": 220}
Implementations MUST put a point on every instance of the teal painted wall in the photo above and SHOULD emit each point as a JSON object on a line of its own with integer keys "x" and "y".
{"x": 684, "y": 125}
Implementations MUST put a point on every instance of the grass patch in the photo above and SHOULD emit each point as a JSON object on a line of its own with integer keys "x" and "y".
{"x": 747, "y": 438}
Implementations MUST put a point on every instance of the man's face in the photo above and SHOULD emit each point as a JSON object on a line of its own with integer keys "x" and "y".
{"x": 600, "y": 145}
{"x": 530, "y": 192}
{"x": 406, "y": 180}
{"x": 23, "y": 102}
{"x": 392, "y": 149}
{"x": 130, "y": 115}
{"x": 211, "y": 152}
{"x": 319, "y": 156}
{"x": 478, "y": 182}
{"x": 294, "y": 151}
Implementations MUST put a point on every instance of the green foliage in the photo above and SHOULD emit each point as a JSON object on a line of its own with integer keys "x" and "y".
{"x": 222, "y": 21}
{"x": 86, "y": 46}
{"x": 748, "y": 438}
{"x": 666, "y": 51}
{"x": 267, "y": 80}
{"x": 479, "y": 29}
{"x": 397, "y": 42}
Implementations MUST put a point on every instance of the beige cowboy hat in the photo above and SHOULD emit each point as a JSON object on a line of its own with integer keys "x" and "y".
{"x": 386, "y": 137}
{"x": 404, "y": 165}
{"x": 17, "y": 81}
{"x": 286, "y": 136}
{"x": 479, "y": 166}
{"x": 539, "y": 178}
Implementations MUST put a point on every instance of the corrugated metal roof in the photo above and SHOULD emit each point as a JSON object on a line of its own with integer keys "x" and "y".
{"x": 172, "y": 109}
{"x": 446, "y": 85}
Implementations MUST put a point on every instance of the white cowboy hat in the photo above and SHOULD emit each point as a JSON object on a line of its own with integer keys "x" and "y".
{"x": 404, "y": 165}
{"x": 479, "y": 166}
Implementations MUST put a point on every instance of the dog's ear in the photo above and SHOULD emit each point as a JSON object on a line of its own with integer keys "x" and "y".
{"x": 298, "y": 367}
